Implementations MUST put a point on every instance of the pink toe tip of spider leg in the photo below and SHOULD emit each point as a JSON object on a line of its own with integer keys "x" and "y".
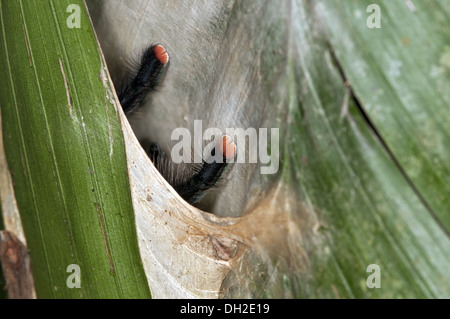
{"x": 161, "y": 54}
{"x": 228, "y": 147}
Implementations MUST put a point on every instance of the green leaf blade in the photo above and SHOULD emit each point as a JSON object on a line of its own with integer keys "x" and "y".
{"x": 65, "y": 149}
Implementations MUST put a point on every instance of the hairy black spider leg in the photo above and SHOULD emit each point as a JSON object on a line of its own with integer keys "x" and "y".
{"x": 194, "y": 189}
{"x": 153, "y": 60}
{"x": 144, "y": 81}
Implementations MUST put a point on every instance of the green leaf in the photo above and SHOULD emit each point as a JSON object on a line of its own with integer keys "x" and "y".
{"x": 401, "y": 75}
{"x": 66, "y": 154}
{"x": 371, "y": 208}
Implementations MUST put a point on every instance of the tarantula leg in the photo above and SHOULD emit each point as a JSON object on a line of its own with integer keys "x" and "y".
{"x": 131, "y": 96}
{"x": 153, "y": 151}
{"x": 145, "y": 79}
{"x": 194, "y": 189}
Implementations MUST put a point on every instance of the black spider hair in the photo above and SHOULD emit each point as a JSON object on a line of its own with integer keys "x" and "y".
{"x": 142, "y": 82}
